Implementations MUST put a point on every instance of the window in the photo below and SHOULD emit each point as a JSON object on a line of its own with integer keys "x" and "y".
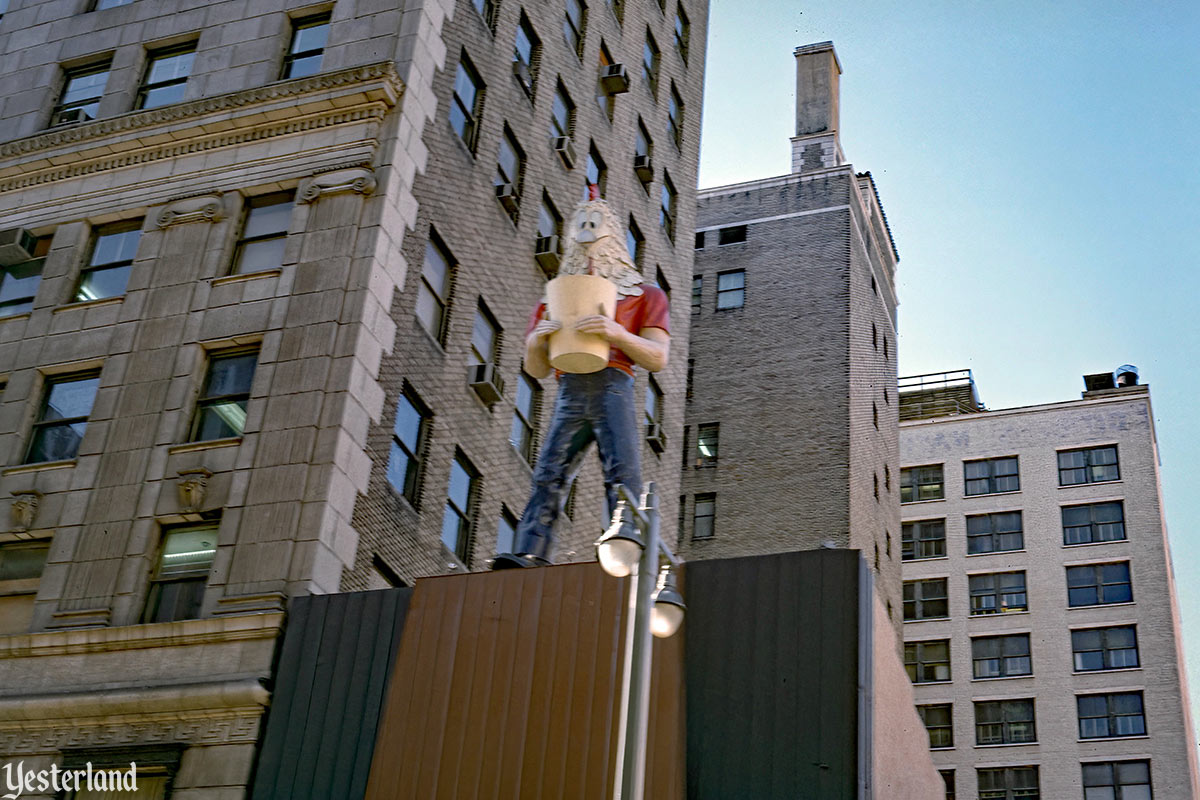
{"x": 549, "y": 220}
{"x": 21, "y": 565}
{"x": 660, "y": 278}
{"x": 264, "y": 231}
{"x": 466, "y": 103}
{"x": 573, "y": 26}
{"x": 1117, "y": 780}
{"x": 597, "y": 172}
{"x": 177, "y": 588}
{"x": 562, "y": 113}
{"x": 697, "y": 294}
{"x": 634, "y": 241}
{"x": 409, "y": 433}
{"x": 1094, "y": 522}
{"x": 19, "y": 282}
{"x": 526, "y": 51}
{"x": 221, "y": 409}
{"x": 62, "y": 420}
{"x": 683, "y": 31}
{"x": 990, "y": 475}
{"x": 1090, "y": 465}
{"x": 650, "y": 59}
{"x": 998, "y": 593}
{"x": 1105, "y": 648}
{"x": 107, "y": 270}
{"x": 82, "y": 89}
{"x": 938, "y": 721}
{"x": 487, "y": 10}
{"x": 675, "y": 116}
{"x": 686, "y": 448}
{"x": 699, "y": 240}
{"x": 510, "y": 166}
{"x": 606, "y": 97}
{"x": 923, "y": 539}
{"x": 653, "y": 407}
{"x": 166, "y": 76}
{"x": 460, "y": 507}
{"x": 732, "y": 235}
{"x": 691, "y": 378}
{"x": 707, "y": 439}
{"x": 156, "y": 768}
{"x": 994, "y": 533}
{"x": 307, "y": 47}
{"x": 668, "y": 206}
{"x": 1099, "y": 584}
{"x": 433, "y": 295}
{"x": 1001, "y": 656}
{"x": 1004, "y": 722}
{"x": 103, "y": 4}
{"x": 925, "y": 599}
{"x": 704, "y": 517}
{"x": 1008, "y": 783}
{"x": 506, "y": 531}
{"x": 525, "y": 413}
{"x": 731, "y": 289}
{"x": 485, "y": 337}
{"x": 1106, "y": 716}
{"x": 643, "y": 148}
{"x": 618, "y": 9}
{"x": 927, "y": 662}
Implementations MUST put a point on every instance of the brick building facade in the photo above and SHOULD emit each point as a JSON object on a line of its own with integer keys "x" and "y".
{"x": 217, "y": 218}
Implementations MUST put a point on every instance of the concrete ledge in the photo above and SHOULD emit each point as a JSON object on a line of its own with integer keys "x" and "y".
{"x": 215, "y": 695}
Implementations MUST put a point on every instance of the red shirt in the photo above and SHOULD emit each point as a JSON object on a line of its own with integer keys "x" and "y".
{"x": 650, "y": 309}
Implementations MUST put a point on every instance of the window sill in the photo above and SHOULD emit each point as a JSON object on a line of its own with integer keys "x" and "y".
{"x": 103, "y": 301}
{"x": 1002, "y": 678}
{"x": 926, "y": 619}
{"x": 991, "y": 494}
{"x": 1005, "y": 744}
{"x": 246, "y": 276}
{"x": 14, "y": 317}
{"x": 922, "y": 560}
{"x": 996, "y": 553}
{"x": 1091, "y": 483}
{"x": 41, "y": 466}
{"x": 211, "y": 444}
{"x": 932, "y": 683}
{"x": 936, "y": 749}
{"x": 1094, "y": 544}
{"x": 1103, "y": 605}
{"x": 904, "y": 504}
{"x": 1113, "y": 738}
{"x": 1105, "y": 671}
{"x": 441, "y": 350}
{"x": 998, "y": 615}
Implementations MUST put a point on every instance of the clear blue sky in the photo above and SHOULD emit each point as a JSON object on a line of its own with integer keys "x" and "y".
{"x": 1039, "y": 164}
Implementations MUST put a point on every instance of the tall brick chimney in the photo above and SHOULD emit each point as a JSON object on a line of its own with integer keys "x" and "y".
{"x": 816, "y": 143}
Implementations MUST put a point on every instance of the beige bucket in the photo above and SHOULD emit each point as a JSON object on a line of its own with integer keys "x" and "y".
{"x": 570, "y": 298}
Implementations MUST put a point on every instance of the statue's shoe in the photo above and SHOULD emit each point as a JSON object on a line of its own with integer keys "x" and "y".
{"x": 517, "y": 561}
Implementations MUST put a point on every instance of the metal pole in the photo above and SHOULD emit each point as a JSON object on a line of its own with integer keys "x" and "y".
{"x": 633, "y": 774}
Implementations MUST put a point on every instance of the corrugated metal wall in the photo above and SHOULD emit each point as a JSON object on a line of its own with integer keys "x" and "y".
{"x": 772, "y": 676}
{"x": 506, "y": 687}
{"x": 333, "y": 671}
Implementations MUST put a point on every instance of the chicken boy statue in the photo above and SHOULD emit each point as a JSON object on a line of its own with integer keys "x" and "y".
{"x": 595, "y": 393}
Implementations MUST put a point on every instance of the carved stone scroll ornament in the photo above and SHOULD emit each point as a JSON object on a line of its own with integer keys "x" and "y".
{"x": 193, "y": 488}
{"x": 24, "y": 508}
{"x": 204, "y": 208}
{"x": 354, "y": 179}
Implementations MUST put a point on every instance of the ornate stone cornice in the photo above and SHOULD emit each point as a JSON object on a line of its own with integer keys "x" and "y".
{"x": 188, "y": 728}
{"x": 355, "y": 179}
{"x": 383, "y": 71}
{"x": 205, "y": 208}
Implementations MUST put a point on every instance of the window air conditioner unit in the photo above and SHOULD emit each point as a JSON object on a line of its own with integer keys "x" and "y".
{"x": 656, "y": 438}
{"x": 487, "y": 383}
{"x": 70, "y": 116}
{"x": 522, "y": 74}
{"x": 506, "y": 193}
{"x": 545, "y": 252}
{"x": 613, "y": 79}
{"x": 16, "y": 246}
{"x": 566, "y": 151}
{"x": 643, "y": 168}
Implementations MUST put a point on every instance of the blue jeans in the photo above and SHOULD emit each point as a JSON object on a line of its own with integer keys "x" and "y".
{"x": 599, "y": 407}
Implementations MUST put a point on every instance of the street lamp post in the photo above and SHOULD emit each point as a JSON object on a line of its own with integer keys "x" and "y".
{"x": 654, "y": 611}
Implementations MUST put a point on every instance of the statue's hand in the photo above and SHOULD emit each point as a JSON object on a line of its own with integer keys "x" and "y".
{"x": 544, "y": 328}
{"x": 597, "y": 325}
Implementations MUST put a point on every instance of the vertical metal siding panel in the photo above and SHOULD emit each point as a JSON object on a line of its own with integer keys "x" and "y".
{"x": 362, "y": 707}
{"x": 287, "y": 786}
{"x": 329, "y": 704}
{"x": 562, "y": 687}
{"x": 381, "y": 669}
{"x": 270, "y": 757}
{"x": 583, "y": 722}
{"x": 479, "y": 693}
{"x": 532, "y": 770}
{"x": 533, "y": 598}
{"x": 459, "y": 718}
{"x": 439, "y": 667}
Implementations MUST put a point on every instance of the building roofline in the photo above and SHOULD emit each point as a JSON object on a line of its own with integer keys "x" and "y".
{"x": 888, "y": 228}
{"x": 770, "y": 183}
{"x": 1128, "y": 395}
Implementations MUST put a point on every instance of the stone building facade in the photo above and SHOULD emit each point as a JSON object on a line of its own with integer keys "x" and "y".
{"x": 791, "y": 438}
{"x": 215, "y": 223}
{"x": 1041, "y": 621}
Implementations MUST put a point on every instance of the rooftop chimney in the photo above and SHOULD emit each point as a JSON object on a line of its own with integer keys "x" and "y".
{"x": 816, "y": 144}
